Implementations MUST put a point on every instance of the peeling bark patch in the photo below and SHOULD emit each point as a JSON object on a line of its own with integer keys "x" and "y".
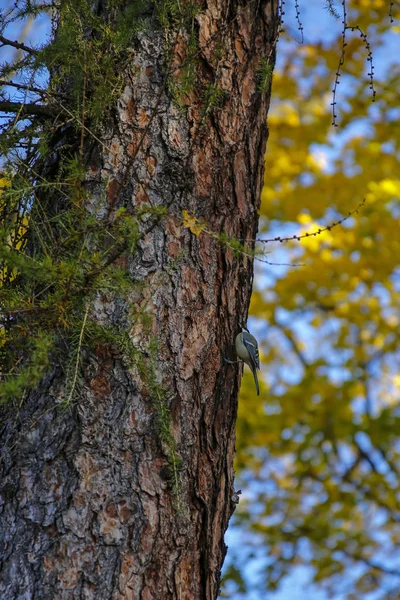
{"x": 110, "y": 528}
{"x": 240, "y": 183}
{"x": 77, "y": 518}
{"x": 190, "y": 280}
{"x": 146, "y": 594}
{"x": 130, "y": 110}
{"x": 151, "y": 163}
{"x": 148, "y": 479}
{"x": 131, "y": 147}
{"x": 141, "y": 196}
{"x": 203, "y": 174}
{"x": 133, "y": 419}
{"x": 115, "y": 152}
{"x": 193, "y": 349}
{"x": 100, "y": 385}
{"x": 125, "y": 514}
{"x": 208, "y": 28}
{"x": 112, "y": 192}
{"x": 129, "y": 580}
{"x": 143, "y": 118}
{"x": 173, "y": 249}
{"x": 69, "y": 578}
{"x": 179, "y": 54}
{"x": 149, "y": 533}
{"x": 240, "y": 51}
{"x": 173, "y": 227}
{"x": 207, "y": 251}
{"x": 248, "y": 88}
{"x": 176, "y": 140}
{"x": 185, "y": 575}
{"x": 175, "y": 231}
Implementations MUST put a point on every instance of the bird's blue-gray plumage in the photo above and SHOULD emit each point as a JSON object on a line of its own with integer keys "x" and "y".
{"x": 247, "y": 350}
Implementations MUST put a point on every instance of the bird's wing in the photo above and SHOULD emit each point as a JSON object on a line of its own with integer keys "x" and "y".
{"x": 252, "y": 349}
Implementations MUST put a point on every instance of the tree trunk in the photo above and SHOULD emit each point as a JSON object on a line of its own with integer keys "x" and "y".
{"x": 90, "y": 505}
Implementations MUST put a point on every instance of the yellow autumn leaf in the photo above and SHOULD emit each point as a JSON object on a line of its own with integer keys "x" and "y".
{"x": 191, "y": 223}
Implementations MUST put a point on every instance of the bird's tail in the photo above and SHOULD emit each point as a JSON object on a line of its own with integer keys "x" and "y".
{"x": 255, "y": 379}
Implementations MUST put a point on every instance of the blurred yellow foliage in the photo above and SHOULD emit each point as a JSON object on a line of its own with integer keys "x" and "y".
{"x": 325, "y": 432}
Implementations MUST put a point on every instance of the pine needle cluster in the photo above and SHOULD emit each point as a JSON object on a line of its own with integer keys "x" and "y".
{"x": 56, "y": 252}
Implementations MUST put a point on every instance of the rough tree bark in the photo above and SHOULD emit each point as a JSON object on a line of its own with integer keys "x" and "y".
{"x": 86, "y": 510}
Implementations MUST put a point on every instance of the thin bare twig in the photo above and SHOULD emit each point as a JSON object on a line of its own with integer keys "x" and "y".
{"x": 312, "y": 233}
{"x": 18, "y": 45}
{"x": 31, "y": 88}
{"x": 32, "y": 110}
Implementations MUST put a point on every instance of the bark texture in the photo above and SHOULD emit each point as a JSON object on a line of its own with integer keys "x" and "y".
{"x": 86, "y": 508}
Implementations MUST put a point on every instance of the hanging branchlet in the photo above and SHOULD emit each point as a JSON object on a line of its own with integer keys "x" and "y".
{"x": 244, "y": 248}
{"x": 370, "y": 74}
{"x": 363, "y": 36}
{"x": 391, "y": 5}
{"x": 281, "y": 10}
{"x": 299, "y": 23}
{"x": 297, "y": 238}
